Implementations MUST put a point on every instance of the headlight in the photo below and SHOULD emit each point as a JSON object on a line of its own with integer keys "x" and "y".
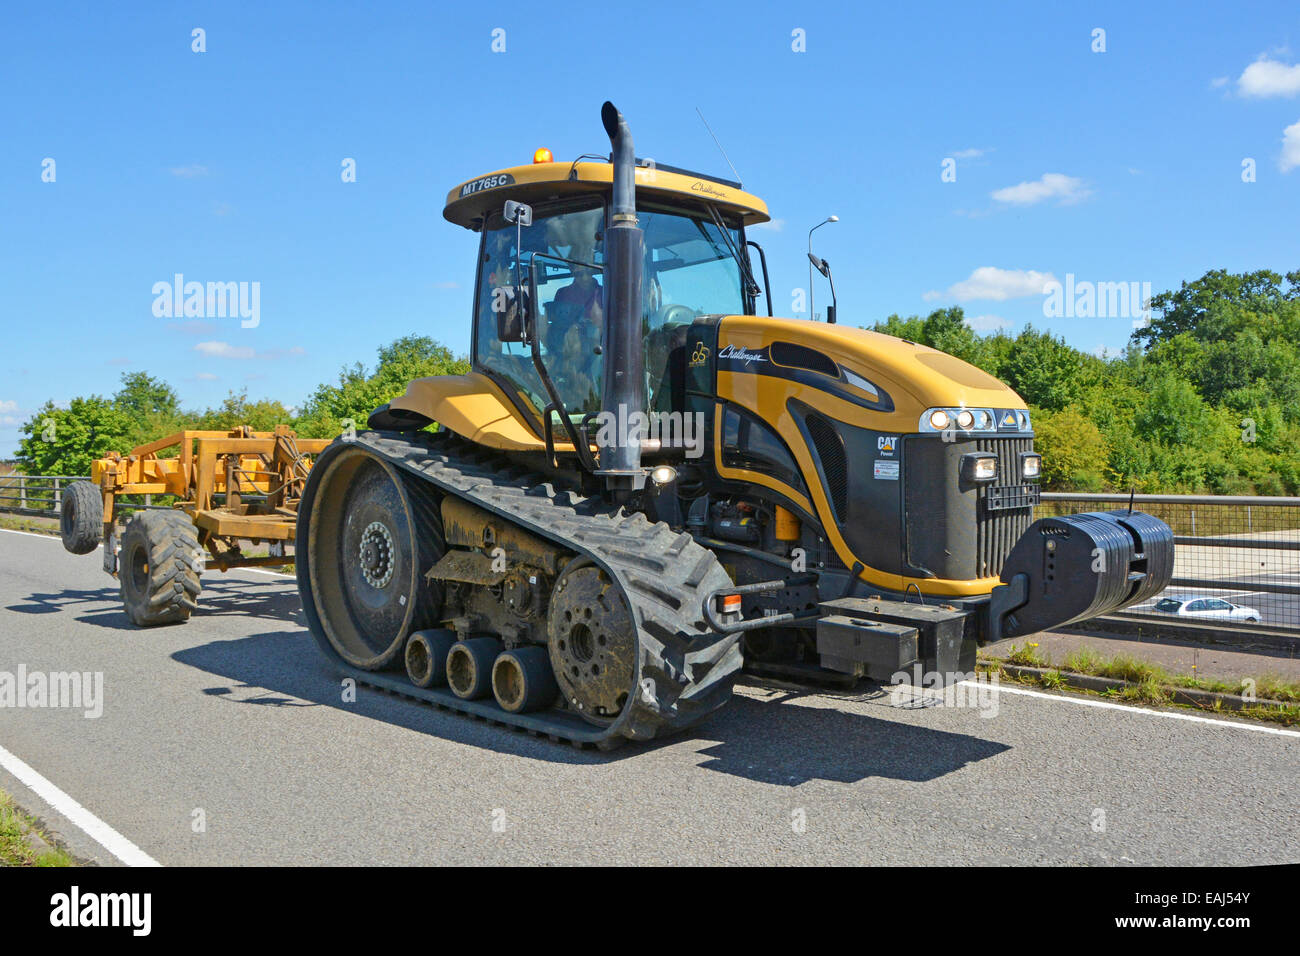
{"x": 1031, "y": 464}
{"x": 978, "y": 466}
{"x": 956, "y": 418}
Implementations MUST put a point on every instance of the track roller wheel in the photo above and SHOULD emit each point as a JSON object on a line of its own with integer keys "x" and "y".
{"x": 469, "y": 667}
{"x": 522, "y": 680}
{"x": 158, "y": 568}
{"x": 426, "y": 656}
{"x": 372, "y": 534}
{"x": 593, "y": 643}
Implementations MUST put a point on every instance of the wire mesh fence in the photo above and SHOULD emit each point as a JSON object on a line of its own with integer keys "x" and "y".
{"x": 1236, "y": 559}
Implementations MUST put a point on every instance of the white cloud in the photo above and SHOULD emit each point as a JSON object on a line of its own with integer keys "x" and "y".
{"x": 227, "y": 351}
{"x": 189, "y": 172}
{"x": 990, "y": 282}
{"x": 7, "y": 416}
{"x": 772, "y": 225}
{"x": 987, "y": 323}
{"x": 1290, "y": 148}
{"x": 1219, "y": 81}
{"x": 205, "y": 377}
{"x": 1068, "y": 189}
{"x": 969, "y": 153}
{"x": 1266, "y": 77}
{"x": 7, "y": 406}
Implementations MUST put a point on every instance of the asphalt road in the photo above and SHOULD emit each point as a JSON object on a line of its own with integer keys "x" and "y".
{"x": 234, "y": 721}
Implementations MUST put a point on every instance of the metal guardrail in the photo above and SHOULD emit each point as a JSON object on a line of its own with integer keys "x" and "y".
{"x": 1236, "y": 549}
{"x": 41, "y": 496}
{"x": 1236, "y": 557}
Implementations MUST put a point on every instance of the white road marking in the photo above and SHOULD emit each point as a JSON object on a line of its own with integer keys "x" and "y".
{"x": 274, "y": 574}
{"x": 1150, "y": 712}
{"x": 33, "y": 534}
{"x": 87, "y": 822}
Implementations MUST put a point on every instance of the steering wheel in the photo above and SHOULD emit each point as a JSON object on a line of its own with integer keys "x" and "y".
{"x": 675, "y": 315}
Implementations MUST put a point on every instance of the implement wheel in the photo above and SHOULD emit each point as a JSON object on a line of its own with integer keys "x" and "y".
{"x": 158, "y": 568}
{"x": 372, "y": 535}
{"x": 81, "y": 517}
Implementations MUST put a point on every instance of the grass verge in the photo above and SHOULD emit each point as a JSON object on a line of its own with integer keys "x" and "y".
{"x": 1148, "y": 683}
{"x": 22, "y": 843}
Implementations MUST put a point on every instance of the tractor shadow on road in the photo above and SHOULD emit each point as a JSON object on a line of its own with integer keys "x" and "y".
{"x": 103, "y": 606}
{"x": 776, "y": 741}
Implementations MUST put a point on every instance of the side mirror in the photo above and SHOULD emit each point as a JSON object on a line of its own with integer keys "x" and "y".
{"x": 819, "y": 264}
{"x": 518, "y": 213}
{"x": 511, "y": 305}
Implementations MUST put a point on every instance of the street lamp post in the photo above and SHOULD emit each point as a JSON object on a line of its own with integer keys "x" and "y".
{"x": 812, "y": 312}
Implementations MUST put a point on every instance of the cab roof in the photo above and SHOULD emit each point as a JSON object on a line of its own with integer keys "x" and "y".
{"x": 470, "y": 202}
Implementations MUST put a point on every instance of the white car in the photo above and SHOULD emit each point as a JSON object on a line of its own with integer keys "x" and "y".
{"x": 1214, "y": 608}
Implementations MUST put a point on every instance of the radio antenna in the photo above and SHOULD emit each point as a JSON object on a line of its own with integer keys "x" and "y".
{"x": 719, "y": 145}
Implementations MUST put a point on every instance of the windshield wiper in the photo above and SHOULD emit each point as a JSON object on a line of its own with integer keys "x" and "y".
{"x": 751, "y": 287}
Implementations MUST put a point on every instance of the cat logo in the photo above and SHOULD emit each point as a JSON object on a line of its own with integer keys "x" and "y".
{"x": 885, "y": 444}
{"x": 1009, "y": 420}
{"x": 700, "y": 356}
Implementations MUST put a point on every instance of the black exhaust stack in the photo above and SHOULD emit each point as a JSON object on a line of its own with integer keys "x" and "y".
{"x": 624, "y": 391}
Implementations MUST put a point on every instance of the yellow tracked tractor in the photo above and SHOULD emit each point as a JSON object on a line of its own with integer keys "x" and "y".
{"x": 643, "y": 485}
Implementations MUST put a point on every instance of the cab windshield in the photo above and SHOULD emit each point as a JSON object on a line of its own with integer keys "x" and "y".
{"x": 689, "y": 272}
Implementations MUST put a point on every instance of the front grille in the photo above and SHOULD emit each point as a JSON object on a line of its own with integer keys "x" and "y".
{"x": 830, "y": 451}
{"x": 999, "y": 523}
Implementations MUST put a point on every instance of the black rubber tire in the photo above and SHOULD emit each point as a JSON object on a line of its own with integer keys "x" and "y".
{"x": 158, "y": 568}
{"x": 81, "y": 517}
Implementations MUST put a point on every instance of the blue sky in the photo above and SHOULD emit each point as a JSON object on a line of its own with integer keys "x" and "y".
{"x": 1115, "y": 166}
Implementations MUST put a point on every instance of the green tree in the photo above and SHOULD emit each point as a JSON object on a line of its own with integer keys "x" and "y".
{"x": 359, "y": 391}
{"x": 64, "y": 441}
{"x": 236, "y": 410}
{"x": 1043, "y": 370}
{"x": 1075, "y": 452}
{"x": 151, "y": 405}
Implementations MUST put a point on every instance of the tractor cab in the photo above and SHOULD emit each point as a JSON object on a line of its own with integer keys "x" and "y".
{"x": 553, "y": 268}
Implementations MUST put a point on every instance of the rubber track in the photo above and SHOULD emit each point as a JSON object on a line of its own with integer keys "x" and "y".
{"x": 684, "y": 669}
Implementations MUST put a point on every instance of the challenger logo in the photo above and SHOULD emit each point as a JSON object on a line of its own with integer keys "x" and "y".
{"x": 739, "y": 355}
{"x": 700, "y": 356}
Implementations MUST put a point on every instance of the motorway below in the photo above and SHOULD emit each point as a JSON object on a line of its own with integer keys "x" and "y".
{"x": 235, "y": 720}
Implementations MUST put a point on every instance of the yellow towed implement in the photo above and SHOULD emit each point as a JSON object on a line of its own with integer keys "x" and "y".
{"x": 229, "y": 489}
